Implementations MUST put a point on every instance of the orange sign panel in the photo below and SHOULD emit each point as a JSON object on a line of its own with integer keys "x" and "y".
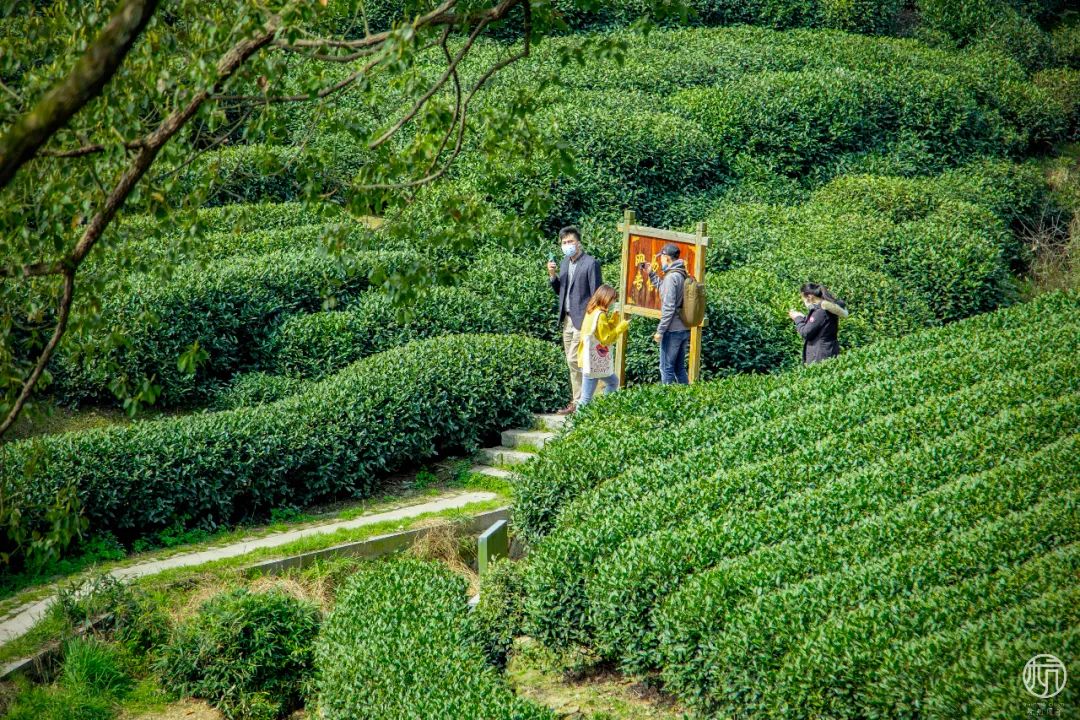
{"x": 639, "y": 291}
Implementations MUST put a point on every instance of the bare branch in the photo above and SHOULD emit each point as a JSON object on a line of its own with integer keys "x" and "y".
{"x": 496, "y": 67}
{"x": 63, "y": 314}
{"x": 85, "y": 150}
{"x": 90, "y": 74}
{"x": 322, "y": 92}
{"x": 435, "y": 87}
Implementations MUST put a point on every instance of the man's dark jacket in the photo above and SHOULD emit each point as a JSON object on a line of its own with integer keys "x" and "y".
{"x": 574, "y": 297}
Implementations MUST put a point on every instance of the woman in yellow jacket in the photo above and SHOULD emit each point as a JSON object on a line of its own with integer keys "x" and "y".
{"x": 606, "y": 328}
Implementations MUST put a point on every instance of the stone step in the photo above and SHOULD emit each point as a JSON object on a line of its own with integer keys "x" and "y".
{"x": 551, "y": 423}
{"x": 504, "y": 456}
{"x": 529, "y": 438}
{"x": 488, "y": 470}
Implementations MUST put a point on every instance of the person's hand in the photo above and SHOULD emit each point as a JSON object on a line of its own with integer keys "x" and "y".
{"x": 794, "y": 314}
{"x": 657, "y": 337}
{"x": 552, "y": 268}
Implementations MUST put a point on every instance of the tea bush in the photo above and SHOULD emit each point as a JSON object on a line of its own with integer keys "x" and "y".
{"x": 751, "y": 514}
{"x": 335, "y": 438}
{"x": 500, "y": 614}
{"x": 400, "y": 642}
{"x": 228, "y": 311}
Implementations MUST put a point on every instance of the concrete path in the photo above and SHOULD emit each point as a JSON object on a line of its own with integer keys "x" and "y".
{"x": 19, "y": 621}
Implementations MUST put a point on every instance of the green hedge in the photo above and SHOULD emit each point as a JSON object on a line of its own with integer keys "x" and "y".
{"x": 833, "y": 666}
{"x": 498, "y": 294}
{"x": 755, "y": 441}
{"x": 400, "y": 643}
{"x": 335, "y": 438}
{"x": 256, "y": 388}
{"x": 865, "y": 16}
{"x": 742, "y": 651}
{"x": 917, "y": 496}
{"x": 275, "y": 173}
{"x": 228, "y": 311}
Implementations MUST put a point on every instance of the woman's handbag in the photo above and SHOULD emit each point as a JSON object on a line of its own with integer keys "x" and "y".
{"x": 597, "y": 358}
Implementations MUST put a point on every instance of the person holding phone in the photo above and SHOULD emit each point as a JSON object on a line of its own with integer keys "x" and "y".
{"x": 671, "y": 334}
{"x": 819, "y": 325}
{"x": 574, "y": 281}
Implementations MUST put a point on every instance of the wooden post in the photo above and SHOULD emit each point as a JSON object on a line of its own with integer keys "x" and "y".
{"x": 694, "y": 372}
{"x": 620, "y": 345}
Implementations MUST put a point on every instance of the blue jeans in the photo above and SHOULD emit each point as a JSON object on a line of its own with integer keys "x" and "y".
{"x": 673, "y": 349}
{"x": 588, "y": 387}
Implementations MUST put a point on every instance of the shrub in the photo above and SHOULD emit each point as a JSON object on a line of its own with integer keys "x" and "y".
{"x": 773, "y": 621}
{"x": 258, "y": 388}
{"x": 955, "y": 259}
{"x": 400, "y": 643}
{"x": 335, "y": 438}
{"x": 227, "y": 311}
{"x": 755, "y": 440}
{"x": 797, "y": 119}
{"x": 1062, "y": 87}
{"x": 1066, "y": 42}
{"x": 915, "y": 496}
{"x": 249, "y": 654}
{"x": 834, "y": 664}
{"x": 272, "y": 173}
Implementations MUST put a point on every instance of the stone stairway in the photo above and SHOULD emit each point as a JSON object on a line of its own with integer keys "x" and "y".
{"x": 518, "y": 446}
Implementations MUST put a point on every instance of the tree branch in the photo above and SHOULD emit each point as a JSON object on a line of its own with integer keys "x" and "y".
{"x": 85, "y": 150}
{"x": 148, "y": 151}
{"x": 90, "y": 74}
{"x": 46, "y": 354}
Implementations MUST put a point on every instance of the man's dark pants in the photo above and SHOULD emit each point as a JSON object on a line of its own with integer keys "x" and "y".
{"x": 674, "y": 346}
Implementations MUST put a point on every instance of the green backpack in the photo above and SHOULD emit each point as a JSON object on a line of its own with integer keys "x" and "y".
{"x": 692, "y": 312}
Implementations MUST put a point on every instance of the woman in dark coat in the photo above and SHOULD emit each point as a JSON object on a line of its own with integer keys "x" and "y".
{"x": 819, "y": 325}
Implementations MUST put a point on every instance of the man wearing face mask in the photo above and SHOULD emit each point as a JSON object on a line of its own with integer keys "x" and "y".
{"x": 671, "y": 333}
{"x": 574, "y": 280}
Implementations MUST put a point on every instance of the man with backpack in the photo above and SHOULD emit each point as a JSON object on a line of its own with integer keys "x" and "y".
{"x": 673, "y": 332}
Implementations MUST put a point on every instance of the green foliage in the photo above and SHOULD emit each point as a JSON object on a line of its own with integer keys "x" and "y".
{"x": 500, "y": 614}
{"x": 228, "y": 311}
{"x": 335, "y": 438}
{"x": 400, "y": 643}
{"x": 249, "y": 654}
{"x": 1002, "y": 25}
{"x": 257, "y": 388}
{"x": 711, "y": 532}
{"x": 92, "y": 681}
{"x": 92, "y": 664}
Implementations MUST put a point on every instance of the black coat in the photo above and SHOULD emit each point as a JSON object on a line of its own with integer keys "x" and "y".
{"x": 573, "y": 298}
{"x": 818, "y": 330}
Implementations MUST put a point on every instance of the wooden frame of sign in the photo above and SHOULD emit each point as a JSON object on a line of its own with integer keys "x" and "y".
{"x": 636, "y": 294}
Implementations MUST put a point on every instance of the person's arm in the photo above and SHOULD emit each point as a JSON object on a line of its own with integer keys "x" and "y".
{"x": 669, "y": 303}
{"x": 809, "y": 326}
{"x": 608, "y": 329}
{"x": 595, "y": 277}
{"x": 556, "y": 280}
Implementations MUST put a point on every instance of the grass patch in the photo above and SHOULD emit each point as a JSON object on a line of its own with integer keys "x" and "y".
{"x": 535, "y": 673}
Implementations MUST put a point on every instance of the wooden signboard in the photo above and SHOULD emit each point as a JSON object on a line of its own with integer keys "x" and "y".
{"x": 637, "y": 296}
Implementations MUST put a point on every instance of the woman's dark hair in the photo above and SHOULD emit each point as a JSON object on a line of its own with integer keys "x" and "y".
{"x": 602, "y": 298}
{"x": 818, "y": 290}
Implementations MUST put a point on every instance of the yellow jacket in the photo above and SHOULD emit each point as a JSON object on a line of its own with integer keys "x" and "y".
{"x": 607, "y": 329}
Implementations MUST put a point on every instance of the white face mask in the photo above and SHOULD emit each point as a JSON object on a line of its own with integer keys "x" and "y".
{"x": 568, "y": 249}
